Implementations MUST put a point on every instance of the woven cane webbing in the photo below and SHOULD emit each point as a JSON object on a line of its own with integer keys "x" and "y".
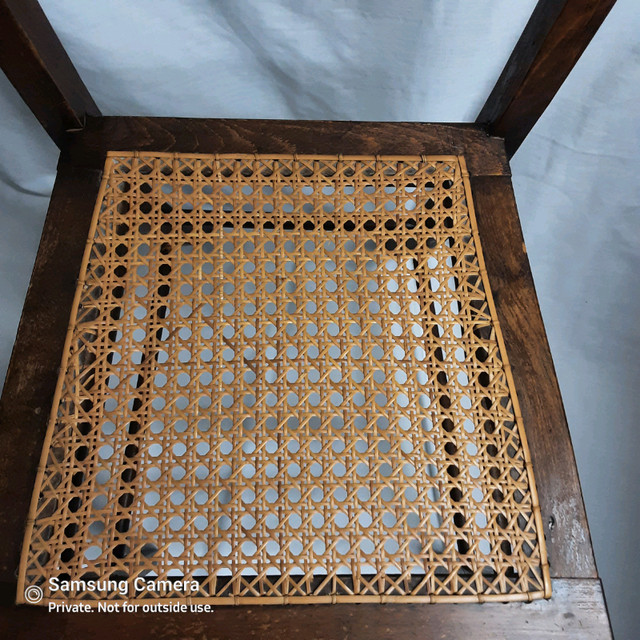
{"x": 284, "y": 379}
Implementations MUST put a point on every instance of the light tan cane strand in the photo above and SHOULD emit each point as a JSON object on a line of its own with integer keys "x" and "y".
{"x": 284, "y": 382}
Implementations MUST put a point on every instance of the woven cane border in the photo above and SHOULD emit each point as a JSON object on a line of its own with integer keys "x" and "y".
{"x": 332, "y": 587}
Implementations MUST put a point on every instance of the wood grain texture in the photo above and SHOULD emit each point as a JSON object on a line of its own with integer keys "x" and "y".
{"x": 576, "y": 612}
{"x": 484, "y": 155}
{"x": 33, "y": 370}
{"x": 564, "y": 519}
{"x": 39, "y": 68}
{"x": 542, "y": 19}
{"x": 529, "y": 83}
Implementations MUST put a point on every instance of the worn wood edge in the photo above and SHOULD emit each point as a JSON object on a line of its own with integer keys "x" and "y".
{"x": 38, "y": 66}
{"x": 35, "y": 360}
{"x": 485, "y": 154}
{"x": 576, "y": 610}
{"x": 564, "y": 518}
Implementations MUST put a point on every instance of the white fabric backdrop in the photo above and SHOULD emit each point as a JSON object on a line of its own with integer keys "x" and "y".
{"x": 575, "y": 176}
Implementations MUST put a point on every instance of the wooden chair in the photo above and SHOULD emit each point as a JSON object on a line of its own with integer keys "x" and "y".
{"x": 37, "y": 65}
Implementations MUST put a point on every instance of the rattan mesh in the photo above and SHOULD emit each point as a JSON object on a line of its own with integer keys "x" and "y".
{"x": 284, "y": 379}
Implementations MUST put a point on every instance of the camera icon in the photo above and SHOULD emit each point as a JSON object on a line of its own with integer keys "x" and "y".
{"x": 33, "y": 594}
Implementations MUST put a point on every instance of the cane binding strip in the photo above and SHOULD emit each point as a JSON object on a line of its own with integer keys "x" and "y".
{"x": 284, "y": 379}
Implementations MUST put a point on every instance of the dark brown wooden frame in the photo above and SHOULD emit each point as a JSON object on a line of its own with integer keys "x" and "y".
{"x": 552, "y": 42}
{"x": 577, "y": 607}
